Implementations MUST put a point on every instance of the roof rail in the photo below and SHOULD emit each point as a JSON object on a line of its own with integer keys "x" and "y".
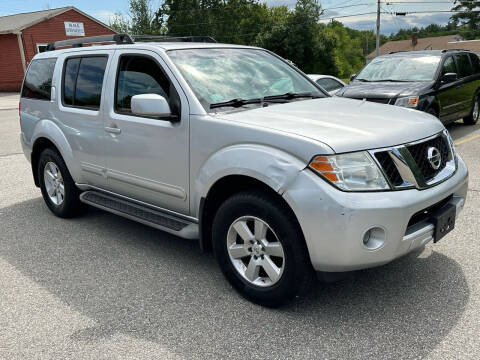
{"x": 447, "y": 50}
{"x": 116, "y": 38}
{"x": 163, "y": 38}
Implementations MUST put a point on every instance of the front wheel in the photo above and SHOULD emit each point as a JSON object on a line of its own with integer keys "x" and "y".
{"x": 260, "y": 248}
{"x": 472, "y": 119}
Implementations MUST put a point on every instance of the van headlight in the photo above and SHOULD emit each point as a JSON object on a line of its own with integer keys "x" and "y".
{"x": 410, "y": 101}
{"x": 350, "y": 172}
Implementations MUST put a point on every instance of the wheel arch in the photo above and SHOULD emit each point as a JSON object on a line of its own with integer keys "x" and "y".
{"x": 220, "y": 191}
{"x": 48, "y": 134}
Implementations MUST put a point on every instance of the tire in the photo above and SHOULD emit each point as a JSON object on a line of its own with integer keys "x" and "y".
{"x": 472, "y": 119}
{"x": 57, "y": 186}
{"x": 280, "y": 235}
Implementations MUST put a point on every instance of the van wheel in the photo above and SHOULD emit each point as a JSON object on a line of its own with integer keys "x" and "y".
{"x": 472, "y": 119}
{"x": 58, "y": 188}
{"x": 260, "y": 248}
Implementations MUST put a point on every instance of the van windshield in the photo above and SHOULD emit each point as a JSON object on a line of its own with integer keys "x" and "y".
{"x": 223, "y": 75}
{"x": 400, "y": 68}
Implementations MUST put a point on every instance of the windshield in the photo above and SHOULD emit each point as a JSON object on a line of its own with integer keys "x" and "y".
{"x": 221, "y": 75}
{"x": 400, "y": 68}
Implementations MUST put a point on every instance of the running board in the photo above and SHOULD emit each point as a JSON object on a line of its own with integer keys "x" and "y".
{"x": 141, "y": 214}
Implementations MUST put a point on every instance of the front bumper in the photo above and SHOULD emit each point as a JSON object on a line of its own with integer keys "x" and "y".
{"x": 335, "y": 222}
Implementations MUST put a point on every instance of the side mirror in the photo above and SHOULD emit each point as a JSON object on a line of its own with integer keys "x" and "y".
{"x": 449, "y": 77}
{"x": 153, "y": 105}
{"x": 352, "y": 77}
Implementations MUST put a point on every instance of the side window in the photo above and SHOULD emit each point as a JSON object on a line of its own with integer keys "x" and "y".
{"x": 475, "y": 63}
{"x": 142, "y": 75}
{"x": 83, "y": 80}
{"x": 329, "y": 84}
{"x": 464, "y": 67}
{"x": 38, "y": 82}
{"x": 449, "y": 66}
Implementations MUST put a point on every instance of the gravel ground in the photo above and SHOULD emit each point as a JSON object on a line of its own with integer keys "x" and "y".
{"x": 103, "y": 287}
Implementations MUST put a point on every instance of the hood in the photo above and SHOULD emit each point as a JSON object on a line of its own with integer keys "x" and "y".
{"x": 343, "y": 124}
{"x": 365, "y": 90}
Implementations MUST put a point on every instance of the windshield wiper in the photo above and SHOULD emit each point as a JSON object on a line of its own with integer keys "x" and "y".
{"x": 290, "y": 96}
{"x": 236, "y": 103}
{"x": 391, "y": 80}
{"x": 362, "y": 80}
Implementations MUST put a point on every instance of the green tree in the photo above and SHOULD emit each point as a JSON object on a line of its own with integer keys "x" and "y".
{"x": 299, "y": 37}
{"x": 119, "y": 23}
{"x": 468, "y": 13}
{"x": 142, "y": 17}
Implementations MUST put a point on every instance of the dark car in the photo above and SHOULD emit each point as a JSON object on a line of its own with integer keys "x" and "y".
{"x": 444, "y": 83}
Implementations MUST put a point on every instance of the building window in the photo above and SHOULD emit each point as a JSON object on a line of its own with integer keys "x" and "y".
{"x": 41, "y": 48}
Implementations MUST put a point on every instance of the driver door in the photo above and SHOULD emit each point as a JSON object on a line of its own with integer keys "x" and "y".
{"x": 147, "y": 158}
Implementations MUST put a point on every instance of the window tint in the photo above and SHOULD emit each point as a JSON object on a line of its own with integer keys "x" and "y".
{"x": 449, "y": 66}
{"x": 142, "y": 75}
{"x": 464, "y": 67}
{"x": 69, "y": 78}
{"x": 89, "y": 82}
{"x": 82, "y": 81}
{"x": 38, "y": 82}
{"x": 475, "y": 63}
{"x": 329, "y": 84}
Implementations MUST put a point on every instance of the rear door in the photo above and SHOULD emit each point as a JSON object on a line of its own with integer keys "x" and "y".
{"x": 80, "y": 105}
{"x": 467, "y": 84}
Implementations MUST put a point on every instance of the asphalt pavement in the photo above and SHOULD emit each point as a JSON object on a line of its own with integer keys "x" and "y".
{"x": 102, "y": 287}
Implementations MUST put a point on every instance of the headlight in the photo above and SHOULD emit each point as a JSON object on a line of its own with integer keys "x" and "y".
{"x": 450, "y": 142}
{"x": 411, "y": 101}
{"x": 350, "y": 172}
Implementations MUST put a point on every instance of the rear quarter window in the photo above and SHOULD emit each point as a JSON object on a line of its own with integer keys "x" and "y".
{"x": 464, "y": 66}
{"x": 475, "y": 63}
{"x": 38, "y": 81}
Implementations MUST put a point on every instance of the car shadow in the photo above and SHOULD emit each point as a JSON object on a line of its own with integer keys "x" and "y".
{"x": 458, "y": 129}
{"x": 134, "y": 280}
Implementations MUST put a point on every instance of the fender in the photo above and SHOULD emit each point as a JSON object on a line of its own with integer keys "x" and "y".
{"x": 272, "y": 166}
{"x": 51, "y": 131}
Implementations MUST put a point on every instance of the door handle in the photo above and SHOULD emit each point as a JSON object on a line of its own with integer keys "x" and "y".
{"x": 113, "y": 130}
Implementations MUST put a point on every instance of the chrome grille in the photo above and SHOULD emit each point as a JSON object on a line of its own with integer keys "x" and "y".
{"x": 408, "y": 165}
{"x": 419, "y": 153}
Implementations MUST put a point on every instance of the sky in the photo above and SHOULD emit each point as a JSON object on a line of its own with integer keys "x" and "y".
{"x": 390, "y": 23}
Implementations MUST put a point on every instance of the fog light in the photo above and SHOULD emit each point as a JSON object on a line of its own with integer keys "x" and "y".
{"x": 374, "y": 238}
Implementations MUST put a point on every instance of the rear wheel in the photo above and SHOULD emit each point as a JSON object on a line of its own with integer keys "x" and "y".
{"x": 260, "y": 248}
{"x": 58, "y": 188}
{"x": 472, "y": 119}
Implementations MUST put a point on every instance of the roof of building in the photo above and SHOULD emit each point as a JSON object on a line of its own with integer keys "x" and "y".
{"x": 429, "y": 43}
{"x": 17, "y": 22}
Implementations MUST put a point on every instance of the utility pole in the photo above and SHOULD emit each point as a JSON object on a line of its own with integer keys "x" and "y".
{"x": 378, "y": 27}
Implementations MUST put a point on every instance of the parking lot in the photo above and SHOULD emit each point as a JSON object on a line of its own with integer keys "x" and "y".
{"x": 103, "y": 287}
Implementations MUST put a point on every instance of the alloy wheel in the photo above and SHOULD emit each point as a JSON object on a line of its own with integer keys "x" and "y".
{"x": 54, "y": 183}
{"x": 476, "y": 110}
{"x": 255, "y": 251}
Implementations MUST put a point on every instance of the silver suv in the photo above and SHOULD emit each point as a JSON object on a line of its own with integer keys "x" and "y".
{"x": 235, "y": 147}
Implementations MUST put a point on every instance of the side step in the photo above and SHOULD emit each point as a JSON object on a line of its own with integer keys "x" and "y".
{"x": 141, "y": 214}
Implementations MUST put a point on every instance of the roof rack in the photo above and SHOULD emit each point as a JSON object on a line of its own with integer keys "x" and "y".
{"x": 202, "y": 39}
{"x": 116, "y": 38}
{"x": 126, "y": 39}
{"x": 447, "y": 50}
